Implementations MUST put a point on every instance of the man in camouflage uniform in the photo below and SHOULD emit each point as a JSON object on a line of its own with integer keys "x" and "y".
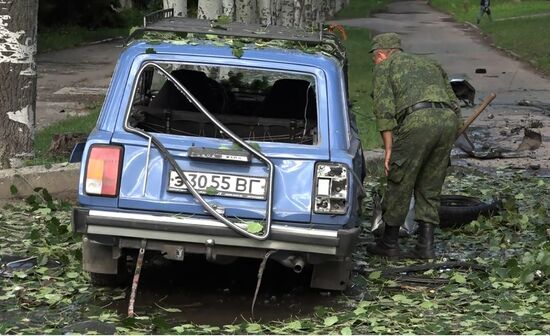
{"x": 418, "y": 117}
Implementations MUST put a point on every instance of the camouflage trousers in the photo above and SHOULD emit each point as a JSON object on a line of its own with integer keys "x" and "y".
{"x": 419, "y": 160}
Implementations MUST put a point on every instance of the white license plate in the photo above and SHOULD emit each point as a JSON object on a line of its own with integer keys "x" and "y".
{"x": 220, "y": 184}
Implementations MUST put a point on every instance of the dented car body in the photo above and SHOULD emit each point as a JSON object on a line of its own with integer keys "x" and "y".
{"x": 197, "y": 151}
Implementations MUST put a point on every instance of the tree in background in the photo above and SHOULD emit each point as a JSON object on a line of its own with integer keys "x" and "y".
{"x": 18, "y": 22}
{"x": 180, "y": 6}
{"x": 267, "y": 12}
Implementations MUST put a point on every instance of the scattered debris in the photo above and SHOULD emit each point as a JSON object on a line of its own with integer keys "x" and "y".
{"x": 531, "y": 140}
{"x": 260, "y": 276}
{"x": 63, "y": 144}
{"x": 539, "y": 105}
{"x": 135, "y": 281}
{"x": 16, "y": 264}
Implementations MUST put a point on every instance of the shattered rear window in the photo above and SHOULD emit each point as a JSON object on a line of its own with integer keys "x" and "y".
{"x": 255, "y": 104}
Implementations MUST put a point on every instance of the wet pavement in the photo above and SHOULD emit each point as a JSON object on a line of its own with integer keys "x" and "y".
{"x": 207, "y": 293}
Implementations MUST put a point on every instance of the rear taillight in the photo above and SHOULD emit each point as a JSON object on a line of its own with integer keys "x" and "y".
{"x": 331, "y": 188}
{"x": 103, "y": 170}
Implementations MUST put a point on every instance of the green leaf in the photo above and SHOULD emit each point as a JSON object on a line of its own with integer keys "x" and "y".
{"x": 172, "y": 310}
{"x": 254, "y": 227}
{"x": 13, "y": 189}
{"x": 427, "y": 305}
{"x": 527, "y": 277}
{"x": 546, "y": 316}
{"x": 458, "y": 278}
{"x": 400, "y": 298}
{"x": 294, "y": 325}
{"x": 72, "y": 275}
{"x": 345, "y": 331}
{"x": 237, "y": 51}
{"x": 211, "y": 191}
{"x": 331, "y": 320}
{"x": 253, "y": 328}
{"x": 519, "y": 196}
{"x": 375, "y": 275}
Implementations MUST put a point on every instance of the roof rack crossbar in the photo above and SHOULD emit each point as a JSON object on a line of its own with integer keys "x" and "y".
{"x": 157, "y": 16}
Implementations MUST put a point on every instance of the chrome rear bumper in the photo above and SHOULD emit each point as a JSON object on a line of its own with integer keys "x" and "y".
{"x": 194, "y": 230}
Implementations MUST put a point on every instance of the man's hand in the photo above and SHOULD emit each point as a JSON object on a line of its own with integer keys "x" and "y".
{"x": 387, "y": 157}
{"x": 387, "y": 138}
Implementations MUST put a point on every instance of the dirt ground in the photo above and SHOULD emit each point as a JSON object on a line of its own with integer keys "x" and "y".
{"x": 465, "y": 53}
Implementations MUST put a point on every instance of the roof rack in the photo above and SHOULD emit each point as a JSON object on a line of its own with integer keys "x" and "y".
{"x": 165, "y": 21}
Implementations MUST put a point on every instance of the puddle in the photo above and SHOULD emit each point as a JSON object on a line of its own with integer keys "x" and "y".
{"x": 213, "y": 294}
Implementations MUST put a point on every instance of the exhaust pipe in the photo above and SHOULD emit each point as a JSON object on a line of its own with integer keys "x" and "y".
{"x": 298, "y": 264}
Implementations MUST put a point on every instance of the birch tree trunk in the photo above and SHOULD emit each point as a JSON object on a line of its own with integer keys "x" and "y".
{"x": 285, "y": 13}
{"x": 265, "y": 12}
{"x": 245, "y": 11}
{"x": 209, "y": 9}
{"x": 228, "y": 7}
{"x": 299, "y": 13}
{"x": 126, "y": 4}
{"x": 18, "y": 22}
{"x": 180, "y": 6}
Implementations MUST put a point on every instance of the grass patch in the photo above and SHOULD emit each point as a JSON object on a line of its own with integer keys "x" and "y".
{"x": 361, "y": 9}
{"x": 43, "y": 137}
{"x": 69, "y": 36}
{"x": 467, "y": 10}
{"x": 72, "y": 36}
{"x": 360, "y": 84}
{"x": 527, "y": 37}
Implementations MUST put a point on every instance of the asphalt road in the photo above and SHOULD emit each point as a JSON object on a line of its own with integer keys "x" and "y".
{"x": 461, "y": 50}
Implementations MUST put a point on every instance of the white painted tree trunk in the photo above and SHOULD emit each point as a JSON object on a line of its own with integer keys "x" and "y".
{"x": 265, "y": 12}
{"x": 126, "y": 4}
{"x": 339, "y": 5}
{"x": 18, "y": 22}
{"x": 209, "y": 9}
{"x": 180, "y": 6}
{"x": 246, "y": 11}
{"x": 299, "y": 13}
{"x": 285, "y": 14}
{"x": 228, "y": 9}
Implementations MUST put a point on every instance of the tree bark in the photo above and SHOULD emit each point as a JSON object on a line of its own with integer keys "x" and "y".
{"x": 18, "y": 22}
{"x": 209, "y": 9}
{"x": 265, "y": 12}
{"x": 126, "y": 4}
{"x": 245, "y": 11}
{"x": 228, "y": 7}
{"x": 180, "y": 6}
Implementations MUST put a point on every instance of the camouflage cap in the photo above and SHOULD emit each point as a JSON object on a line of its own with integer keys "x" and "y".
{"x": 386, "y": 41}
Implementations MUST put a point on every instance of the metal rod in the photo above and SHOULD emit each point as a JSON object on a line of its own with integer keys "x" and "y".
{"x": 477, "y": 112}
{"x": 135, "y": 281}
{"x": 234, "y": 137}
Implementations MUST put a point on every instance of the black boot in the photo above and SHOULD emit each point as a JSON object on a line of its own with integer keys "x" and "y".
{"x": 424, "y": 248}
{"x": 387, "y": 245}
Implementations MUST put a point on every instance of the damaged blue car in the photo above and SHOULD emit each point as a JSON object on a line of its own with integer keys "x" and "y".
{"x": 225, "y": 141}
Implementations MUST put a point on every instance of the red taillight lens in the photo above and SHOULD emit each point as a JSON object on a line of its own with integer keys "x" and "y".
{"x": 103, "y": 170}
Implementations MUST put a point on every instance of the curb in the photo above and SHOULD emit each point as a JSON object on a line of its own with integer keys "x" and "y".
{"x": 61, "y": 181}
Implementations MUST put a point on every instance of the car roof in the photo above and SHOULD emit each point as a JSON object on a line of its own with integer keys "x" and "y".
{"x": 250, "y": 52}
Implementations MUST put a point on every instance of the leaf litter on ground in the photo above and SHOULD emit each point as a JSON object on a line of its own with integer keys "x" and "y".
{"x": 512, "y": 295}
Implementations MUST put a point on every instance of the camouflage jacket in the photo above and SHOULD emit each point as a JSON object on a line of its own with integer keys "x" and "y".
{"x": 403, "y": 80}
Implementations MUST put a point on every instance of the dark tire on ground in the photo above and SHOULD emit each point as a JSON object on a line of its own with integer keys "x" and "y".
{"x": 456, "y": 210}
{"x": 112, "y": 280}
